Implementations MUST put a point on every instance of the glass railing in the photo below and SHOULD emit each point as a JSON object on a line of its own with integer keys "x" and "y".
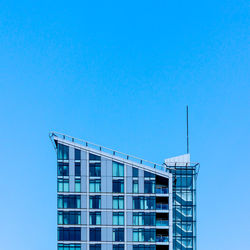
{"x": 162, "y": 206}
{"x": 162, "y": 238}
{"x": 162, "y": 223}
{"x": 161, "y": 190}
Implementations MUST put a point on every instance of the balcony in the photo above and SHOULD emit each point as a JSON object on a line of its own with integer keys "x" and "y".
{"x": 162, "y": 206}
{"x": 162, "y": 238}
{"x": 162, "y": 223}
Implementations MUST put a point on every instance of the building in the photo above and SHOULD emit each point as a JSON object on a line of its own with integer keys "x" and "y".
{"x": 109, "y": 200}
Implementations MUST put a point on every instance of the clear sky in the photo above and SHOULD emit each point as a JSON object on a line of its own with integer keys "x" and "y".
{"x": 120, "y": 74}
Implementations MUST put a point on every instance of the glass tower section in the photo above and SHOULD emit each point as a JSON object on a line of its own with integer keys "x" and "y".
{"x": 184, "y": 206}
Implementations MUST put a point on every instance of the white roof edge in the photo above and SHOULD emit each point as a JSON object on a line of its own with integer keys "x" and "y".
{"x": 178, "y": 160}
{"x": 113, "y": 157}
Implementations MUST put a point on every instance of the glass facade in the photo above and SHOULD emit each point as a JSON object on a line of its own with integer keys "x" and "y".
{"x": 105, "y": 203}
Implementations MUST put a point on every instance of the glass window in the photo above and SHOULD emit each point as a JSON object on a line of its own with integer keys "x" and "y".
{"x": 142, "y": 202}
{"x": 69, "y": 201}
{"x": 135, "y": 186}
{"x": 95, "y": 218}
{"x": 118, "y": 186}
{"x": 77, "y": 155}
{"x": 95, "y": 234}
{"x": 62, "y": 185}
{"x": 118, "y": 234}
{"x": 118, "y": 247}
{"x": 95, "y": 246}
{"x": 62, "y": 152}
{"x": 95, "y": 201}
{"x": 93, "y": 157}
{"x": 148, "y": 175}
{"x": 78, "y": 185}
{"x": 135, "y": 172}
{"x": 149, "y": 186}
{"x": 141, "y": 234}
{"x": 118, "y": 202}
{"x": 118, "y": 218}
{"x": 69, "y": 246}
{"x": 95, "y": 169}
{"x": 95, "y": 186}
{"x": 143, "y": 219}
{"x": 69, "y": 218}
{"x": 118, "y": 169}
{"x": 62, "y": 169}
{"x": 69, "y": 233}
{"x": 77, "y": 169}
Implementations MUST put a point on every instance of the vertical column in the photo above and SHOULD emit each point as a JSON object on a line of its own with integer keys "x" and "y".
{"x": 71, "y": 169}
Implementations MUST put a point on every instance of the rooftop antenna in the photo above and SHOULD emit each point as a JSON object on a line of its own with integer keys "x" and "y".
{"x": 187, "y": 133}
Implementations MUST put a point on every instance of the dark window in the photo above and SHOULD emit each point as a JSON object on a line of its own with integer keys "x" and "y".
{"x": 62, "y": 152}
{"x": 118, "y": 247}
{"x": 142, "y": 202}
{"x": 69, "y": 201}
{"x": 95, "y": 169}
{"x": 77, "y": 169}
{"x": 69, "y": 246}
{"x": 93, "y": 157}
{"x": 95, "y": 201}
{"x": 69, "y": 234}
{"x": 148, "y": 175}
{"x": 149, "y": 186}
{"x": 95, "y": 234}
{"x": 69, "y": 218}
{"x": 135, "y": 172}
{"x": 118, "y": 186}
{"x": 95, "y": 218}
{"x": 62, "y": 169}
{"x": 95, "y": 246}
{"x": 77, "y": 155}
{"x": 118, "y": 234}
{"x": 144, "y": 247}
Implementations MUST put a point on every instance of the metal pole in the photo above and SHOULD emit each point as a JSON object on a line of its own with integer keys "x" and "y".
{"x": 187, "y": 133}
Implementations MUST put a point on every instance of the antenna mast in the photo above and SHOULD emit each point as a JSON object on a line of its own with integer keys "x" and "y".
{"x": 187, "y": 133}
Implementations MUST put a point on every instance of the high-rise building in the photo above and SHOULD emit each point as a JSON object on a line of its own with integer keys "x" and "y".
{"x": 108, "y": 200}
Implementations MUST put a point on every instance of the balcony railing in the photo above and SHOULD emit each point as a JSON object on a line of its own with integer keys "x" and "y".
{"x": 162, "y": 190}
{"x": 162, "y": 238}
{"x": 162, "y": 206}
{"x": 162, "y": 223}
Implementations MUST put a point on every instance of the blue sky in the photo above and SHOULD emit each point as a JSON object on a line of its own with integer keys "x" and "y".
{"x": 120, "y": 74}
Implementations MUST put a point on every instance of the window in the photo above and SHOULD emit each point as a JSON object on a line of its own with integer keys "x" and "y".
{"x": 135, "y": 172}
{"x": 118, "y": 218}
{"x": 118, "y": 186}
{"x": 149, "y": 186}
{"x": 95, "y": 246}
{"x": 69, "y": 246}
{"x": 148, "y": 175}
{"x": 77, "y": 169}
{"x": 118, "y": 247}
{"x": 69, "y": 218}
{"x": 95, "y": 234}
{"x": 78, "y": 185}
{"x": 144, "y": 247}
{"x": 62, "y": 169}
{"x": 62, "y": 185}
{"x": 118, "y": 202}
{"x": 141, "y": 234}
{"x": 143, "y": 219}
{"x": 95, "y": 201}
{"x": 69, "y": 201}
{"x": 62, "y": 152}
{"x": 95, "y": 169}
{"x": 95, "y": 218}
{"x": 144, "y": 202}
{"x": 95, "y": 186}
{"x": 93, "y": 157}
{"x": 135, "y": 186}
{"x": 69, "y": 233}
{"x": 118, "y": 234}
{"x": 118, "y": 169}
{"x": 77, "y": 155}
